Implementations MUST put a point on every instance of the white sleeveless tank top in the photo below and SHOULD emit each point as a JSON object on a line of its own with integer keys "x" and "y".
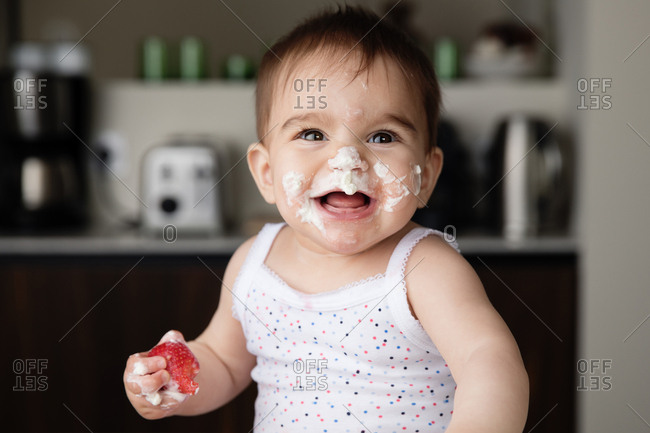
{"x": 348, "y": 360}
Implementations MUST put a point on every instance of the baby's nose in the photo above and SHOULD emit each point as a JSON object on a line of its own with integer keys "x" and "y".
{"x": 347, "y": 159}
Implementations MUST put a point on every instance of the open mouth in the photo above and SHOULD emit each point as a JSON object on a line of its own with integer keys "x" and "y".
{"x": 338, "y": 204}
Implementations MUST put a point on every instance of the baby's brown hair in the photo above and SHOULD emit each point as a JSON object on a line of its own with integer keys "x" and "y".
{"x": 351, "y": 31}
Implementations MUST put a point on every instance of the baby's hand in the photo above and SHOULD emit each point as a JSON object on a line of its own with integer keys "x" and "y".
{"x": 149, "y": 386}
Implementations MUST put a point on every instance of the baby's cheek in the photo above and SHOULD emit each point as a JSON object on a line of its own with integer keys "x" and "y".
{"x": 294, "y": 186}
{"x": 392, "y": 191}
{"x": 392, "y": 195}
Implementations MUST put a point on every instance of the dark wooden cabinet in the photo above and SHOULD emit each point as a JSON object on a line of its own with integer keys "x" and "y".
{"x": 536, "y": 296}
{"x": 85, "y": 316}
{"x": 79, "y": 318}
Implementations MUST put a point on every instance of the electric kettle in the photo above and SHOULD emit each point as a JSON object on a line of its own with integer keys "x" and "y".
{"x": 529, "y": 171}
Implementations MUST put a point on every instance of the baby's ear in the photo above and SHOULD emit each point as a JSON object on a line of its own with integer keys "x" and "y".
{"x": 430, "y": 173}
{"x": 260, "y": 167}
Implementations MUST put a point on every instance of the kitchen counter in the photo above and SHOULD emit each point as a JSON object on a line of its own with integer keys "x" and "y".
{"x": 70, "y": 293}
{"x": 112, "y": 241}
{"x": 105, "y": 241}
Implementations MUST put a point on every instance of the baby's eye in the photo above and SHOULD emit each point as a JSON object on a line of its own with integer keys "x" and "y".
{"x": 312, "y": 135}
{"x": 382, "y": 137}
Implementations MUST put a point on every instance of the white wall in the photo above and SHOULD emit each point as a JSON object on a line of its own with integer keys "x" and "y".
{"x": 615, "y": 191}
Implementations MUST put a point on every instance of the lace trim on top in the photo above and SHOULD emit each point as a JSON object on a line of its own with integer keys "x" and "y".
{"x": 347, "y": 286}
{"x": 355, "y": 293}
{"x": 257, "y": 253}
{"x": 410, "y": 326}
{"x": 419, "y": 233}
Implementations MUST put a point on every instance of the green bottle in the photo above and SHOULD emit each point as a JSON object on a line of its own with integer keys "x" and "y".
{"x": 446, "y": 59}
{"x": 192, "y": 59}
{"x": 155, "y": 59}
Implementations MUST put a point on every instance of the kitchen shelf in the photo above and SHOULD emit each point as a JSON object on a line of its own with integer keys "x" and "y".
{"x": 143, "y": 114}
{"x": 474, "y": 105}
{"x": 98, "y": 242}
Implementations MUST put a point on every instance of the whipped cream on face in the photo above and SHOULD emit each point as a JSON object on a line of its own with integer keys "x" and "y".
{"x": 346, "y": 159}
{"x": 309, "y": 214}
{"x": 350, "y": 113}
{"x": 381, "y": 170}
{"x": 293, "y": 183}
{"x": 348, "y": 171}
{"x": 394, "y": 188}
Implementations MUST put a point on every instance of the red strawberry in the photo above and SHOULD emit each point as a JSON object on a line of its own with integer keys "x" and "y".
{"x": 182, "y": 365}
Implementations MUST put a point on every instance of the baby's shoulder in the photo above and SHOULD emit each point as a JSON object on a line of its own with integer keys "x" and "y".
{"x": 436, "y": 246}
{"x": 237, "y": 260}
{"x": 438, "y": 260}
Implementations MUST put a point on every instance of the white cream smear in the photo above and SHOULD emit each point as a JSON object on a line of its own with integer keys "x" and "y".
{"x": 154, "y": 396}
{"x": 173, "y": 392}
{"x": 394, "y": 188}
{"x": 139, "y": 369}
{"x": 349, "y": 174}
{"x": 293, "y": 183}
{"x": 136, "y": 376}
{"x": 351, "y": 114}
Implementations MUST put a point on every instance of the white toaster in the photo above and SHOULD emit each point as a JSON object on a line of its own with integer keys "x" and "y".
{"x": 181, "y": 189}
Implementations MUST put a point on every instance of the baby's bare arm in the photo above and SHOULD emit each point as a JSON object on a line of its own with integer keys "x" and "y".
{"x": 492, "y": 383}
{"x": 225, "y": 364}
{"x": 221, "y": 350}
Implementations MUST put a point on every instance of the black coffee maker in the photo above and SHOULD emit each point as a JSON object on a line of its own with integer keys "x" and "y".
{"x": 44, "y": 122}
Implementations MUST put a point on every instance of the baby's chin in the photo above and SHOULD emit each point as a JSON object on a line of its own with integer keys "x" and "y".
{"x": 344, "y": 238}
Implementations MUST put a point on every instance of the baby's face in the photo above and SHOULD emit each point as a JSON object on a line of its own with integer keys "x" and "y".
{"x": 347, "y": 158}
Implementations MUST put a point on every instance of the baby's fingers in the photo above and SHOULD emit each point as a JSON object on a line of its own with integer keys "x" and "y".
{"x": 140, "y": 364}
{"x": 147, "y": 384}
{"x": 145, "y": 375}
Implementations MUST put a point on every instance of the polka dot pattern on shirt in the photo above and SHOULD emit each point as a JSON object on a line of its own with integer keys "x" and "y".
{"x": 338, "y": 361}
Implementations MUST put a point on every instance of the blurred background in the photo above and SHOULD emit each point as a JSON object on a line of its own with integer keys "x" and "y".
{"x": 124, "y": 190}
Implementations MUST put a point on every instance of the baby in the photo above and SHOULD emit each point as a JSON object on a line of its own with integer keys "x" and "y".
{"x": 349, "y": 316}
